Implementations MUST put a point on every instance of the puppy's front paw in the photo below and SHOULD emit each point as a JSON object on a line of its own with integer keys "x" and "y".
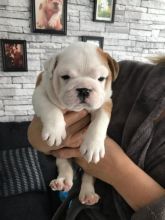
{"x": 51, "y": 23}
{"x": 61, "y": 184}
{"x": 89, "y": 198}
{"x": 42, "y": 23}
{"x": 54, "y": 134}
{"x": 93, "y": 151}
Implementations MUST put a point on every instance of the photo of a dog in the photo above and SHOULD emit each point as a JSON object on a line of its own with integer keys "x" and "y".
{"x": 84, "y": 82}
{"x": 49, "y": 15}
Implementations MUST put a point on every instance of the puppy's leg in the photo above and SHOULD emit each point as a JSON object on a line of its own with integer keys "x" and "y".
{"x": 58, "y": 24}
{"x": 54, "y": 22}
{"x": 52, "y": 117}
{"x": 64, "y": 180}
{"x": 42, "y": 20}
{"x": 87, "y": 192}
{"x": 92, "y": 147}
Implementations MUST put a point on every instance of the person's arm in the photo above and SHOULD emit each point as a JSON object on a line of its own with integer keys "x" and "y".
{"x": 116, "y": 168}
{"x": 136, "y": 187}
{"x": 74, "y": 122}
{"x": 133, "y": 184}
{"x": 34, "y": 136}
{"x": 153, "y": 211}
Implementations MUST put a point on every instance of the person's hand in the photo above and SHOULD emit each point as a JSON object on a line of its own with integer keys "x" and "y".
{"x": 102, "y": 168}
{"x": 115, "y": 168}
{"x": 76, "y": 125}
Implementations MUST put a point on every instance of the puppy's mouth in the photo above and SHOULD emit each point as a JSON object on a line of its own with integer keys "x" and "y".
{"x": 79, "y": 105}
{"x": 82, "y": 98}
{"x": 85, "y": 103}
{"x": 82, "y": 102}
{"x": 83, "y": 94}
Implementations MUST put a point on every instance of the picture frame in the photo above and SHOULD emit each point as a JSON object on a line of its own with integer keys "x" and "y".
{"x": 49, "y": 16}
{"x": 98, "y": 41}
{"x": 104, "y": 10}
{"x": 14, "y": 55}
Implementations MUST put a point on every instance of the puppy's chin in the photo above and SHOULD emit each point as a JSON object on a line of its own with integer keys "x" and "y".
{"x": 73, "y": 103}
{"x": 81, "y": 107}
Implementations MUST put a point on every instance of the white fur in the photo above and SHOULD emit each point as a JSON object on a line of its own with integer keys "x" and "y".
{"x": 87, "y": 192}
{"x": 64, "y": 180}
{"x": 82, "y": 63}
{"x": 93, "y": 146}
{"x": 44, "y": 20}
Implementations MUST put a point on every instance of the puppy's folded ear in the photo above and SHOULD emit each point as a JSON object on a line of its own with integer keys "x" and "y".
{"x": 40, "y": 6}
{"x": 50, "y": 65}
{"x": 114, "y": 66}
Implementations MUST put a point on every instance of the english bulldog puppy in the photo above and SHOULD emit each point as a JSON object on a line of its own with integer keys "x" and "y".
{"x": 49, "y": 15}
{"x": 78, "y": 78}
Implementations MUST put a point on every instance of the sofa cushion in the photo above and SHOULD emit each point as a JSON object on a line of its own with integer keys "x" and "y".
{"x": 20, "y": 169}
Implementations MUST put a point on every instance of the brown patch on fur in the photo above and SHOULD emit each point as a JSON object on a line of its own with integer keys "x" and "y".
{"x": 108, "y": 82}
{"x": 40, "y": 7}
{"x": 107, "y": 106}
{"x": 108, "y": 60}
{"x": 39, "y": 79}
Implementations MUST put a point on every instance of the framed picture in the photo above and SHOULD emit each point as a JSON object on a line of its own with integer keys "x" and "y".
{"x": 104, "y": 10}
{"x": 49, "y": 16}
{"x": 98, "y": 41}
{"x": 14, "y": 55}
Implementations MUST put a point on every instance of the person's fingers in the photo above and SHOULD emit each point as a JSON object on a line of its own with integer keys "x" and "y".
{"x": 74, "y": 128}
{"x": 66, "y": 153}
{"x": 74, "y": 135}
{"x": 76, "y": 139}
{"x": 73, "y": 117}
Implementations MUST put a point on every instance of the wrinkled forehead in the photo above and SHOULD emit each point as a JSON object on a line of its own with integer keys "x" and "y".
{"x": 81, "y": 58}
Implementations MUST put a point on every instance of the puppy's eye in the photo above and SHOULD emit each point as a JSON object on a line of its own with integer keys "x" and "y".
{"x": 101, "y": 78}
{"x": 65, "y": 77}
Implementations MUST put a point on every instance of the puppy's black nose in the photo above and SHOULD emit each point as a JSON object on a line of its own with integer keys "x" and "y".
{"x": 83, "y": 93}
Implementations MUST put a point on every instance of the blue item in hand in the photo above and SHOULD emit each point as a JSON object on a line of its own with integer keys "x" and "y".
{"x": 63, "y": 195}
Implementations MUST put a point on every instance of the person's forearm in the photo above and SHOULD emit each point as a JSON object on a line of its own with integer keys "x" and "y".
{"x": 74, "y": 121}
{"x": 34, "y": 136}
{"x": 132, "y": 183}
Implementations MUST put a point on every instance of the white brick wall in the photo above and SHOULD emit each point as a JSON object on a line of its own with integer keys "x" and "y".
{"x": 138, "y": 32}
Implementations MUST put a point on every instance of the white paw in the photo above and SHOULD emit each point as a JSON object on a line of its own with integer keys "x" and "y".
{"x": 89, "y": 198}
{"x": 93, "y": 150}
{"x": 40, "y": 25}
{"x": 52, "y": 22}
{"x": 61, "y": 184}
{"x": 54, "y": 134}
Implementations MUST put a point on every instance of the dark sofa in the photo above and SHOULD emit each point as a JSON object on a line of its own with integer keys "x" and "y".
{"x": 24, "y": 177}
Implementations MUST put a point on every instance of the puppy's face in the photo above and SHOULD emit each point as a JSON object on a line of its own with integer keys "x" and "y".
{"x": 54, "y": 5}
{"x": 82, "y": 77}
